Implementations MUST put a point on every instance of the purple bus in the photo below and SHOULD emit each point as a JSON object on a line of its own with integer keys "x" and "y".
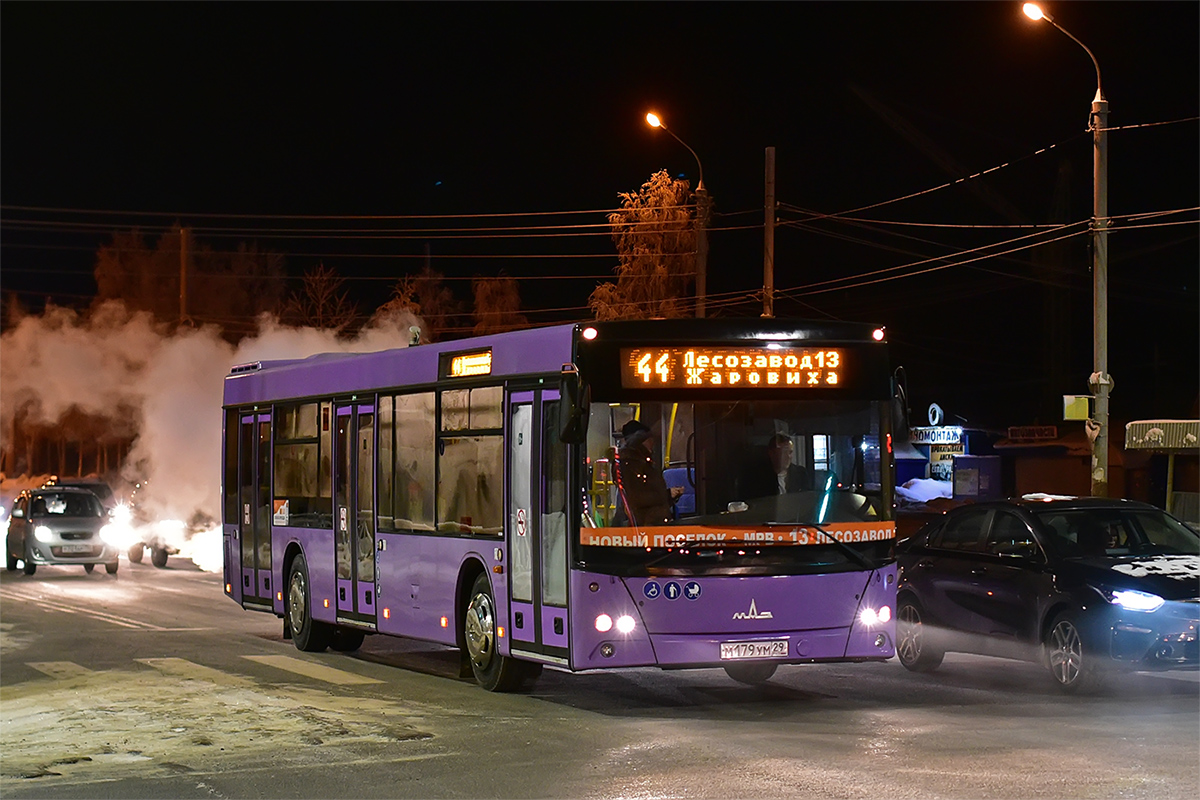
{"x": 668, "y": 493}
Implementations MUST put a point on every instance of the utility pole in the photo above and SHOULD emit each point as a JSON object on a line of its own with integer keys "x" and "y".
{"x": 183, "y": 262}
{"x": 1100, "y": 382}
{"x": 769, "y": 238}
{"x": 702, "y": 211}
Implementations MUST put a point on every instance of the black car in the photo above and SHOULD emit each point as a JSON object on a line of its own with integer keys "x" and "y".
{"x": 1084, "y": 585}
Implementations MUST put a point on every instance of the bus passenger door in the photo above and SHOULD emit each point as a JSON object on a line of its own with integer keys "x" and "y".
{"x": 254, "y": 505}
{"x": 537, "y": 529}
{"x": 354, "y": 512}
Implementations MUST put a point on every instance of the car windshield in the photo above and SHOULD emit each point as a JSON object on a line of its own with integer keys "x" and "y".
{"x": 101, "y": 490}
{"x": 67, "y": 504}
{"x": 1116, "y": 532}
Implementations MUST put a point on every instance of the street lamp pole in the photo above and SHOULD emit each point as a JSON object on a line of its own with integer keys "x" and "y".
{"x": 1100, "y": 381}
{"x": 703, "y": 207}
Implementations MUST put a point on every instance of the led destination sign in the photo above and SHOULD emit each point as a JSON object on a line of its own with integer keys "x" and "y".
{"x": 464, "y": 365}
{"x": 733, "y": 367}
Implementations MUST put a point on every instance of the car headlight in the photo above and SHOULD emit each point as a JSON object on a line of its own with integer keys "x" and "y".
{"x": 117, "y": 535}
{"x": 42, "y": 533}
{"x": 1133, "y": 600}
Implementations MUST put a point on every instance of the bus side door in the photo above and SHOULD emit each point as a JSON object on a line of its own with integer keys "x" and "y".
{"x": 254, "y": 507}
{"x": 537, "y": 529}
{"x": 354, "y": 512}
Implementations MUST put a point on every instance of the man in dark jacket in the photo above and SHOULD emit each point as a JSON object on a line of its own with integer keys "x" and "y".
{"x": 642, "y": 496}
{"x": 775, "y": 474}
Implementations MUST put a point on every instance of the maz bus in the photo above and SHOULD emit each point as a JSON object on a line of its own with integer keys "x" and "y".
{"x": 466, "y": 493}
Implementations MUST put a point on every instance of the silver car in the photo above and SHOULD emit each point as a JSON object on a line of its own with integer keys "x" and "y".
{"x": 60, "y": 525}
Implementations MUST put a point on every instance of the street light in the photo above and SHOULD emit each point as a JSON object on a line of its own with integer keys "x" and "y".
{"x": 702, "y": 207}
{"x": 1100, "y": 381}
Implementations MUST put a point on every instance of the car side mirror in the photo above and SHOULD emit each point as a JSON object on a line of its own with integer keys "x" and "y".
{"x": 18, "y": 513}
{"x": 577, "y": 406}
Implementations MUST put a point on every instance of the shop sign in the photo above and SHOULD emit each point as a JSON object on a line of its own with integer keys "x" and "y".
{"x": 1032, "y": 433}
{"x": 942, "y": 434}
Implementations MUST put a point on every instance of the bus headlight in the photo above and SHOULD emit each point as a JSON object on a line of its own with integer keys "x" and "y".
{"x": 42, "y": 533}
{"x": 604, "y": 623}
{"x": 869, "y": 616}
{"x": 625, "y": 624}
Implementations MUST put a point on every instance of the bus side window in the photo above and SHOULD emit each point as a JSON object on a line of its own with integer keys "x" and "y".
{"x": 296, "y": 466}
{"x": 410, "y": 465}
{"x": 471, "y": 461}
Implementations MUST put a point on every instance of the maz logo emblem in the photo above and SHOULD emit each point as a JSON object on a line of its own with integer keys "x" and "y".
{"x": 754, "y": 613}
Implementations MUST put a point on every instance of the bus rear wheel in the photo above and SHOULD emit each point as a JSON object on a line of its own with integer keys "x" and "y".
{"x": 308, "y": 634}
{"x": 135, "y": 553}
{"x": 158, "y": 556}
{"x": 492, "y": 671}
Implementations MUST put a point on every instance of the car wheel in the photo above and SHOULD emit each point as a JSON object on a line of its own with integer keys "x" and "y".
{"x": 750, "y": 674}
{"x": 111, "y": 567}
{"x": 492, "y": 671}
{"x": 346, "y": 640}
{"x": 30, "y": 567}
{"x": 88, "y": 568}
{"x": 308, "y": 634}
{"x": 1069, "y": 657}
{"x": 913, "y": 647}
{"x": 135, "y": 553}
{"x": 158, "y": 557}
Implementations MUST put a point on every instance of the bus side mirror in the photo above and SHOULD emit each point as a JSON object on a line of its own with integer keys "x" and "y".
{"x": 577, "y": 406}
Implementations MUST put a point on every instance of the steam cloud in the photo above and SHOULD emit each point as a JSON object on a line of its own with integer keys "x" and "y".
{"x": 161, "y": 387}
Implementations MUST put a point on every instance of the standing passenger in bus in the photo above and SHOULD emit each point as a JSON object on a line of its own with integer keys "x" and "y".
{"x": 643, "y": 496}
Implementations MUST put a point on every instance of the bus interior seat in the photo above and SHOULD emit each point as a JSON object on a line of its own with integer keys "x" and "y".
{"x": 677, "y": 476}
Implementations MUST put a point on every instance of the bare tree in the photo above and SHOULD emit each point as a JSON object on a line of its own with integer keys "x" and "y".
{"x": 655, "y": 237}
{"x": 321, "y": 303}
{"x": 229, "y": 289}
{"x": 497, "y": 305}
{"x": 426, "y": 296}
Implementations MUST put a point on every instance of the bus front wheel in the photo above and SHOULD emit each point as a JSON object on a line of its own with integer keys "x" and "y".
{"x": 308, "y": 634}
{"x": 750, "y": 673}
{"x": 494, "y": 672}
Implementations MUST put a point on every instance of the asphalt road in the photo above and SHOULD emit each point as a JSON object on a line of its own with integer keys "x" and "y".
{"x": 151, "y": 684}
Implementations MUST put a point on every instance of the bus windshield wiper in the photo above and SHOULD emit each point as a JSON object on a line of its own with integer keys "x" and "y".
{"x": 845, "y": 548}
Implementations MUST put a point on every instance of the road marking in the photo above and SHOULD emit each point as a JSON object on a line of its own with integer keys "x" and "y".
{"x": 60, "y": 670}
{"x": 311, "y": 670}
{"x": 182, "y": 668}
{"x": 28, "y": 596}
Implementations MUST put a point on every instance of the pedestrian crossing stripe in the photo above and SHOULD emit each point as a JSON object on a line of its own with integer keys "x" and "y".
{"x": 59, "y": 670}
{"x": 183, "y": 669}
{"x": 311, "y": 670}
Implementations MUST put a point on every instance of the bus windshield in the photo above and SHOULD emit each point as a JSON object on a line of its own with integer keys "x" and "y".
{"x": 737, "y": 485}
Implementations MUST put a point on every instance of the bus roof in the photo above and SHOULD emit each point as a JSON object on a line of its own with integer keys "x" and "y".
{"x": 525, "y": 352}
{"x": 533, "y": 351}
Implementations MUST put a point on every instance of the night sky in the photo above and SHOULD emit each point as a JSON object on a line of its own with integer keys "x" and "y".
{"x": 294, "y": 124}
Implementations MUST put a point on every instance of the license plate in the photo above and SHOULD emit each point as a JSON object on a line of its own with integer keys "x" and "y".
{"x": 77, "y": 548}
{"x": 739, "y": 650}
